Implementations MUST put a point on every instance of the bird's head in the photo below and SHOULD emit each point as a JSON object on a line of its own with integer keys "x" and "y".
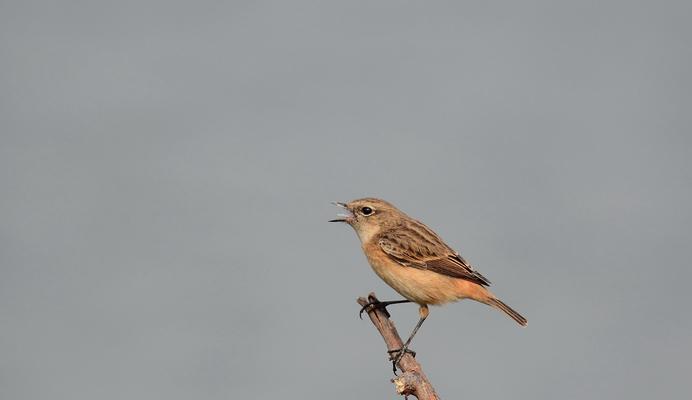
{"x": 368, "y": 216}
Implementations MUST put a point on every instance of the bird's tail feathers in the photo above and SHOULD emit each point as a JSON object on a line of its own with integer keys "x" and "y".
{"x": 497, "y": 303}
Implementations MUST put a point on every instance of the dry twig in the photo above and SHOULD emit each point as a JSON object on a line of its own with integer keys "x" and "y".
{"x": 412, "y": 381}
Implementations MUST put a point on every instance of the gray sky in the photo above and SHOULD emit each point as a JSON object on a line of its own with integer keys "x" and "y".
{"x": 167, "y": 167}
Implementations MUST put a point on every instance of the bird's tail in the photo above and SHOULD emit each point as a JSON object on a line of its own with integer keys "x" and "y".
{"x": 497, "y": 303}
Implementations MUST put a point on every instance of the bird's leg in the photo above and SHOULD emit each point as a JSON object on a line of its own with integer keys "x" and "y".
{"x": 423, "y": 312}
{"x": 382, "y": 305}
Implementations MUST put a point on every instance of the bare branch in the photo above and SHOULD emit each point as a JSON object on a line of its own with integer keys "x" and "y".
{"x": 412, "y": 381}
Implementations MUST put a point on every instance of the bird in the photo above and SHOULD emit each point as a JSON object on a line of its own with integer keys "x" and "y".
{"x": 415, "y": 262}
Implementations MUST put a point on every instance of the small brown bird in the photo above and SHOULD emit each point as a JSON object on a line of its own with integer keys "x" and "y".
{"x": 415, "y": 262}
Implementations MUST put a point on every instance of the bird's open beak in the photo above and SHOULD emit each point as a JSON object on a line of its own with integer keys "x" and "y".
{"x": 343, "y": 217}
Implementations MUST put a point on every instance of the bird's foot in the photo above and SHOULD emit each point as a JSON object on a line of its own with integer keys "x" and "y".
{"x": 382, "y": 305}
{"x": 396, "y": 355}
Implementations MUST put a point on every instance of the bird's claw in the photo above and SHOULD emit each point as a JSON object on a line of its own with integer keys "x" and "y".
{"x": 399, "y": 355}
{"x": 397, "y": 351}
{"x": 382, "y": 305}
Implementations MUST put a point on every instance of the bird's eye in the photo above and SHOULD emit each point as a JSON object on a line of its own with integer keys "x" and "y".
{"x": 366, "y": 210}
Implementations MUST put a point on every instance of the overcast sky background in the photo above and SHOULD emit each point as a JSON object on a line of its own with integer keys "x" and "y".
{"x": 167, "y": 167}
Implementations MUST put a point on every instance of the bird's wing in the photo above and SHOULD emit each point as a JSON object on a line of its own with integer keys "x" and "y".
{"x": 419, "y": 247}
